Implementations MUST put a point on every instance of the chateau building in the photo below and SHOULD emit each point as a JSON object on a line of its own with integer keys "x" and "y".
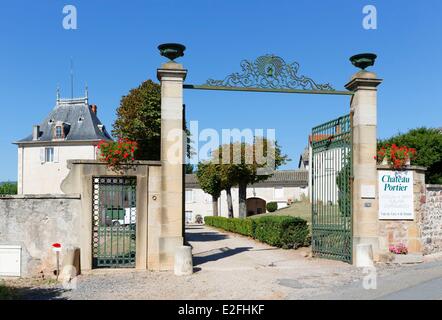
{"x": 72, "y": 130}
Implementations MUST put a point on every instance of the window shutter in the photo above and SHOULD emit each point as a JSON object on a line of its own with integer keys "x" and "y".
{"x": 56, "y": 154}
{"x": 42, "y": 155}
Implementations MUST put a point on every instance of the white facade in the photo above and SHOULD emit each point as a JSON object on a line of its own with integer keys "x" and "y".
{"x": 41, "y": 173}
{"x": 71, "y": 131}
{"x": 200, "y": 203}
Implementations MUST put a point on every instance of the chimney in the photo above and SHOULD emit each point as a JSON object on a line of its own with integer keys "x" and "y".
{"x": 35, "y": 133}
{"x": 93, "y": 108}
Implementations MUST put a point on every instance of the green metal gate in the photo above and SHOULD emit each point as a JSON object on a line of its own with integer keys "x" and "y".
{"x": 114, "y": 222}
{"x": 332, "y": 233}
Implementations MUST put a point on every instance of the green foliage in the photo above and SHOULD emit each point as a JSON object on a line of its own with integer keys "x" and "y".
{"x": 209, "y": 178}
{"x": 244, "y": 163}
{"x": 272, "y": 206}
{"x": 428, "y": 145}
{"x": 279, "y": 231}
{"x": 248, "y": 164}
{"x": 241, "y": 226}
{"x": 139, "y": 119}
{"x": 8, "y": 188}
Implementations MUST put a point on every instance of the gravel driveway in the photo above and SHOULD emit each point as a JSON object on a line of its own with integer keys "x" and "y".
{"x": 227, "y": 266}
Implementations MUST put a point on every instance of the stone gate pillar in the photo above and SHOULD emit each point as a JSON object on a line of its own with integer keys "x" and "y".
{"x": 170, "y": 221}
{"x": 365, "y": 204}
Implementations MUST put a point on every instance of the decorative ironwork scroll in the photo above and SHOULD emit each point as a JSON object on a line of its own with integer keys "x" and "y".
{"x": 269, "y": 72}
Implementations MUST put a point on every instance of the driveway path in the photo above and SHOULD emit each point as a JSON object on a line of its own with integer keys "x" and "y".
{"x": 230, "y": 266}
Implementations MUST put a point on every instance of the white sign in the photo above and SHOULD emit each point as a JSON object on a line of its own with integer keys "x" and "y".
{"x": 396, "y": 195}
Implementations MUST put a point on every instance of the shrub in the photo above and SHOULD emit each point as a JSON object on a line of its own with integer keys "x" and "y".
{"x": 241, "y": 226}
{"x": 272, "y": 206}
{"x": 282, "y": 231}
{"x": 279, "y": 231}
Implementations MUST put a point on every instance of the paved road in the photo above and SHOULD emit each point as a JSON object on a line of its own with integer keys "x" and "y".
{"x": 413, "y": 282}
{"x": 230, "y": 266}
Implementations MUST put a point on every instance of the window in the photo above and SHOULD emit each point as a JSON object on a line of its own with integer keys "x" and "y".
{"x": 189, "y": 216}
{"x": 58, "y": 132}
{"x": 49, "y": 154}
{"x": 189, "y": 196}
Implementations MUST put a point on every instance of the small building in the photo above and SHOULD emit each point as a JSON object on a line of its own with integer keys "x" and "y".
{"x": 72, "y": 130}
{"x": 283, "y": 187}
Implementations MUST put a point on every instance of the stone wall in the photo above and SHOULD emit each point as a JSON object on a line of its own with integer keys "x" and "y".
{"x": 35, "y": 222}
{"x": 432, "y": 220}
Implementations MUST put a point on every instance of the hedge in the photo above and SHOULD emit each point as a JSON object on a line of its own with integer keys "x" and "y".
{"x": 279, "y": 231}
{"x": 241, "y": 226}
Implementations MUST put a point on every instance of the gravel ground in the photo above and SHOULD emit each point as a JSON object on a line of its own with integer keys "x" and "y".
{"x": 227, "y": 266}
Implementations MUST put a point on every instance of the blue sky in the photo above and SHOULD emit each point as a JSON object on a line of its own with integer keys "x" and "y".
{"x": 114, "y": 50}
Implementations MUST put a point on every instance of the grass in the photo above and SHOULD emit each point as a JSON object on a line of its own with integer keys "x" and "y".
{"x": 300, "y": 209}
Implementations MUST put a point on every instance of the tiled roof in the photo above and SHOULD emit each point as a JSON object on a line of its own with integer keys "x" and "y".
{"x": 82, "y": 123}
{"x": 319, "y": 137}
{"x": 282, "y": 178}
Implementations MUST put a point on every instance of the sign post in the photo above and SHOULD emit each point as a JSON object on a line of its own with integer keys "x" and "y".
{"x": 56, "y": 247}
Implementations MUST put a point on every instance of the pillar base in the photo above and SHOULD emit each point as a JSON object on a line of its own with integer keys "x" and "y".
{"x": 372, "y": 241}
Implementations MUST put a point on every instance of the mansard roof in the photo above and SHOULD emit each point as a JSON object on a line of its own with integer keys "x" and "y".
{"x": 79, "y": 121}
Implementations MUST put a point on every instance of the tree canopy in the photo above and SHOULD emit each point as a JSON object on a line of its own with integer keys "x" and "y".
{"x": 244, "y": 163}
{"x": 139, "y": 119}
{"x": 209, "y": 178}
{"x": 428, "y": 144}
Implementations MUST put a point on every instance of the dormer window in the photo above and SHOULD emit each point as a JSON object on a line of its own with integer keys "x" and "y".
{"x": 58, "y": 132}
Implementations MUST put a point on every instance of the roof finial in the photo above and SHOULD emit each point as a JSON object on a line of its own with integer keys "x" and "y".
{"x": 58, "y": 93}
{"x": 86, "y": 93}
{"x": 72, "y": 78}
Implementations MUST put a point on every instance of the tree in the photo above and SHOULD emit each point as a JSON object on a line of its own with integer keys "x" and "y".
{"x": 139, "y": 119}
{"x": 248, "y": 164}
{"x": 210, "y": 182}
{"x": 428, "y": 145}
{"x": 8, "y": 188}
{"x": 228, "y": 174}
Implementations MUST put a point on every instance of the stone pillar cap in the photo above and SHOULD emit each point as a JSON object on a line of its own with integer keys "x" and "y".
{"x": 171, "y": 69}
{"x": 171, "y": 65}
{"x": 363, "y": 78}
